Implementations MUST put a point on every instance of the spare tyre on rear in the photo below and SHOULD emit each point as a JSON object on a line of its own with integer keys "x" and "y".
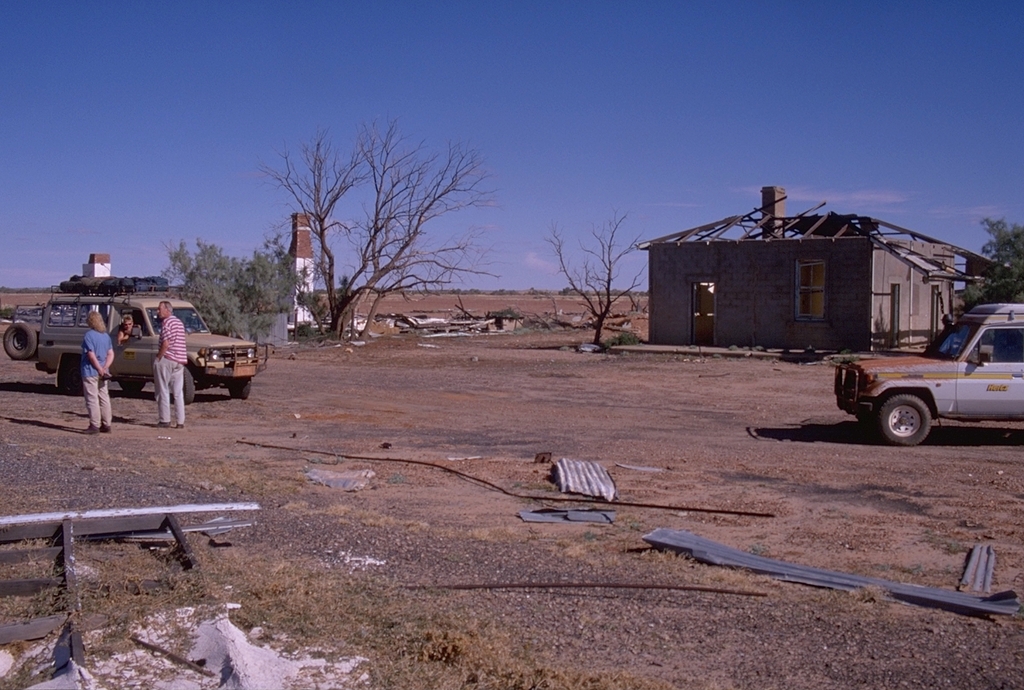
{"x": 20, "y": 341}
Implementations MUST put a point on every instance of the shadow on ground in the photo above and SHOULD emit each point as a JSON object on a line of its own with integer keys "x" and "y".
{"x": 853, "y": 433}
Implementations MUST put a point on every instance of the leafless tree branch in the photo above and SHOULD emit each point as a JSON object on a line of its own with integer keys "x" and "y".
{"x": 407, "y": 187}
{"x": 592, "y": 274}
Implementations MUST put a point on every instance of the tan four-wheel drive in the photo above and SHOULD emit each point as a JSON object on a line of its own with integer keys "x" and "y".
{"x": 55, "y": 344}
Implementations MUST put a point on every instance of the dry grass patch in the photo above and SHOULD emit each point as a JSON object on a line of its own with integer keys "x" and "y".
{"x": 414, "y": 639}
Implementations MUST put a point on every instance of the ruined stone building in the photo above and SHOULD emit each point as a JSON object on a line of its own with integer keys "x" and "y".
{"x": 830, "y": 282}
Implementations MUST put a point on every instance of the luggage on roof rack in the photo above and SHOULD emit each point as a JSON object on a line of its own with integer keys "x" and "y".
{"x": 79, "y": 285}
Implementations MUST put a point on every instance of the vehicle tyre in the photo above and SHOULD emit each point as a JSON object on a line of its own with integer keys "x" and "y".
{"x": 240, "y": 389}
{"x": 69, "y": 375}
{"x": 132, "y": 386}
{"x": 904, "y": 420}
{"x": 20, "y": 341}
{"x": 188, "y": 386}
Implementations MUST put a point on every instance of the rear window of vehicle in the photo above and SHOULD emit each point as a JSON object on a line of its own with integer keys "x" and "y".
{"x": 71, "y": 315}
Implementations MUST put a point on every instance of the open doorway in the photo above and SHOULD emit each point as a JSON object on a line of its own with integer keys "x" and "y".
{"x": 703, "y": 301}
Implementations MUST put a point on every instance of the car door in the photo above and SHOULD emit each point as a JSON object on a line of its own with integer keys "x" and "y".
{"x": 135, "y": 357}
{"x": 990, "y": 382}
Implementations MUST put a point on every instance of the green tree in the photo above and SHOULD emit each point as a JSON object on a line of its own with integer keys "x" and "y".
{"x": 1004, "y": 278}
{"x": 235, "y": 296}
{"x": 265, "y": 285}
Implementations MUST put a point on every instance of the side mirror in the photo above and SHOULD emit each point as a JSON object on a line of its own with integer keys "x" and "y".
{"x": 136, "y": 331}
{"x": 981, "y": 355}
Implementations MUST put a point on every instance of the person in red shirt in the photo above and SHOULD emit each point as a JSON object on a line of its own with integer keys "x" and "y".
{"x": 169, "y": 368}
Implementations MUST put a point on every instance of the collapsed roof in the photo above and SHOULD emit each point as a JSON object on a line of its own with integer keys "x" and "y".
{"x": 762, "y": 224}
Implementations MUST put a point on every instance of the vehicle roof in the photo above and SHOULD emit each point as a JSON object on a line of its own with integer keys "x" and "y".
{"x": 995, "y": 313}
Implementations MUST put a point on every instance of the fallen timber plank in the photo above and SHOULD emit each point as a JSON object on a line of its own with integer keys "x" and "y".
{"x": 35, "y": 629}
{"x": 188, "y": 559}
{"x": 83, "y": 527}
{"x": 27, "y": 587}
{"x": 708, "y": 551}
{"x": 27, "y": 555}
{"x": 126, "y": 512}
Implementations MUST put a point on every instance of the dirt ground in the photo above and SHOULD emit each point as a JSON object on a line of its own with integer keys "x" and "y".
{"x": 736, "y": 434}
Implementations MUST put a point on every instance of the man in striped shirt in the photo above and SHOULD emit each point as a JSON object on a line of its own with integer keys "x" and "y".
{"x": 169, "y": 368}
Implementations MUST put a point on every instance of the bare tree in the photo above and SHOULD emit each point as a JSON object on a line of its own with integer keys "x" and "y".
{"x": 594, "y": 274}
{"x": 407, "y": 187}
{"x": 316, "y": 183}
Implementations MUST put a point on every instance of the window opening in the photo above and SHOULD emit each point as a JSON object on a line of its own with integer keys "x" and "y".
{"x": 811, "y": 293}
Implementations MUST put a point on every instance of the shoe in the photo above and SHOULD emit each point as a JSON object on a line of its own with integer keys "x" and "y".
{"x": 105, "y": 428}
{"x": 180, "y": 426}
{"x": 163, "y": 425}
{"x": 92, "y": 430}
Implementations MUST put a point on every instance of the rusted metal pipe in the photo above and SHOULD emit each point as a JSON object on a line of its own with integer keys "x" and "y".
{"x": 495, "y": 487}
{"x": 592, "y": 585}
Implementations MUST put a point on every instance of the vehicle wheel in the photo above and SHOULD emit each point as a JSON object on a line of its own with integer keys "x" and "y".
{"x": 188, "y": 387}
{"x": 240, "y": 389}
{"x": 132, "y": 386}
{"x": 20, "y": 341}
{"x": 69, "y": 375}
{"x": 904, "y": 420}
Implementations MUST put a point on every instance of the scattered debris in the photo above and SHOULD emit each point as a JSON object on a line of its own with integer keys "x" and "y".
{"x": 584, "y": 477}
{"x": 173, "y": 657}
{"x": 589, "y": 347}
{"x": 338, "y": 457}
{"x": 62, "y": 530}
{"x": 219, "y": 655}
{"x": 981, "y": 563}
{"x": 708, "y": 551}
{"x": 606, "y": 517}
{"x": 456, "y": 458}
{"x": 349, "y": 480}
{"x": 227, "y": 651}
{"x": 640, "y": 468}
{"x": 352, "y": 562}
{"x": 544, "y": 457}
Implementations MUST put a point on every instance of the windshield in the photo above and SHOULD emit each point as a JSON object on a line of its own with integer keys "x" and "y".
{"x": 950, "y": 343}
{"x": 189, "y": 317}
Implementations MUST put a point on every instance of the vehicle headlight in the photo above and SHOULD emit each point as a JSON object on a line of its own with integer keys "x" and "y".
{"x": 250, "y": 353}
{"x": 215, "y": 355}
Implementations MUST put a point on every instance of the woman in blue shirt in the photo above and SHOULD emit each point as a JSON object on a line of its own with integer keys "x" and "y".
{"x": 97, "y": 356}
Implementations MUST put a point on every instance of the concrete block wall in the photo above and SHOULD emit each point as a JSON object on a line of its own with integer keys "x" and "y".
{"x": 756, "y": 291}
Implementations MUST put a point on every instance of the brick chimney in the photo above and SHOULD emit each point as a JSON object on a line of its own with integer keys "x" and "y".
{"x": 98, "y": 266}
{"x": 302, "y": 241}
{"x": 302, "y": 252}
{"x": 773, "y": 203}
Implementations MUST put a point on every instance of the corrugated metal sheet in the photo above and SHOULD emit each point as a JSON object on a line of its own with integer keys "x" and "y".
{"x": 584, "y": 477}
{"x": 707, "y": 551}
{"x": 605, "y": 517}
{"x": 980, "y": 566}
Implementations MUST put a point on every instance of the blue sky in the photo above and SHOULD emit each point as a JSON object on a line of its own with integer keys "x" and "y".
{"x": 127, "y": 126}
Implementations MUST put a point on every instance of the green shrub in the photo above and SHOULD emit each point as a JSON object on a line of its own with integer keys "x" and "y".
{"x": 623, "y": 338}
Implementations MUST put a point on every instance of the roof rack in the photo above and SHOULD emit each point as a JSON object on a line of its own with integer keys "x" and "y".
{"x": 111, "y": 286}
